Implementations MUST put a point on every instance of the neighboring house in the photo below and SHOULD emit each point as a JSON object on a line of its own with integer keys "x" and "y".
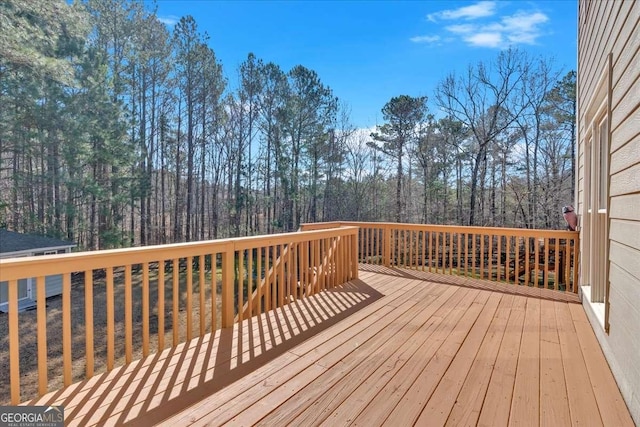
{"x": 14, "y": 245}
{"x": 608, "y": 183}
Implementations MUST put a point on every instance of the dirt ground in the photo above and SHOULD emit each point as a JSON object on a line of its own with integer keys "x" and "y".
{"x": 28, "y": 327}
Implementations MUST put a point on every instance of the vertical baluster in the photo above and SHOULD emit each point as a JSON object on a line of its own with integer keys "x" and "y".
{"x": 450, "y": 236}
{"x": 490, "y": 258}
{"x": 364, "y": 246}
{"x": 527, "y": 256}
{"x": 482, "y": 252}
{"x": 546, "y": 263}
{"x": 145, "y": 309}
{"x": 499, "y": 258}
{"x": 294, "y": 277}
{"x": 336, "y": 260}
{"x": 259, "y": 281}
{"x": 407, "y": 250}
{"x": 128, "y": 315}
{"x": 423, "y": 249}
{"x": 14, "y": 341}
{"x": 283, "y": 257}
{"x": 474, "y": 255}
{"x": 568, "y": 263}
{"x": 464, "y": 251}
{"x": 189, "y": 298}
{"x": 330, "y": 255}
{"x": 342, "y": 243}
{"x": 385, "y": 255}
{"x": 411, "y": 249}
{"x": 418, "y": 251}
{"x": 88, "y": 324}
{"x": 557, "y": 269}
{"x": 370, "y": 246}
{"x": 367, "y": 235}
{"x": 343, "y": 250}
{"x": 435, "y": 258}
{"x": 308, "y": 256}
{"x": 268, "y": 276}
{"x": 378, "y": 249}
{"x": 318, "y": 265}
{"x": 240, "y": 285}
{"x": 384, "y": 246}
{"x": 304, "y": 260}
{"x": 66, "y": 328}
{"x": 42, "y": 335}
{"x": 429, "y": 251}
{"x": 325, "y": 264}
{"x": 315, "y": 265}
{"x": 214, "y": 291}
{"x": 249, "y": 284}
{"x": 517, "y": 260}
{"x": 175, "y": 277}
{"x": 110, "y": 320}
{"x": 394, "y": 243}
{"x": 161, "y": 267}
{"x": 459, "y": 252}
{"x": 201, "y": 293}
{"x": 507, "y": 265}
{"x": 536, "y": 261}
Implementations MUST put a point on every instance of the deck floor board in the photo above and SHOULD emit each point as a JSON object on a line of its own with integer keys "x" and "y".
{"x": 394, "y": 347}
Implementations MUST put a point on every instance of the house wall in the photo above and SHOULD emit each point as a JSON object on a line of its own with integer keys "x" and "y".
{"x": 606, "y": 27}
{"x": 53, "y": 286}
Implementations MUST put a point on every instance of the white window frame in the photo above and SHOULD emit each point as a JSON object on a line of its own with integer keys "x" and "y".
{"x": 596, "y": 179}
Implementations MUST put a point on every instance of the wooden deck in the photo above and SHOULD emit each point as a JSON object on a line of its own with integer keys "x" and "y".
{"x": 395, "y": 347}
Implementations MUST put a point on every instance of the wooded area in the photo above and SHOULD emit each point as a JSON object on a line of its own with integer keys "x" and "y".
{"x": 116, "y": 130}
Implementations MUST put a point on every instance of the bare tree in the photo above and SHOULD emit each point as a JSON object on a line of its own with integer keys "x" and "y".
{"x": 479, "y": 100}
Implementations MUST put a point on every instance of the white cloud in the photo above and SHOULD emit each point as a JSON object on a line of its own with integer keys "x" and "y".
{"x": 169, "y": 20}
{"x": 461, "y": 29}
{"x": 485, "y": 39}
{"x": 520, "y": 27}
{"x": 425, "y": 39}
{"x": 474, "y": 11}
{"x": 523, "y": 28}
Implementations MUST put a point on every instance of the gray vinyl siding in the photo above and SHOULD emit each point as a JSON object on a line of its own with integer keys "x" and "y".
{"x": 53, "y": 286}
{"x": 614, "y": 27}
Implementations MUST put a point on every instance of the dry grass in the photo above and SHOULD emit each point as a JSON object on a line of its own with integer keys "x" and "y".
{"x": 28, "y": 327}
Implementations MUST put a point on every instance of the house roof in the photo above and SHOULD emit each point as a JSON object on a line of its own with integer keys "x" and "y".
{"x": 11, "y": 241}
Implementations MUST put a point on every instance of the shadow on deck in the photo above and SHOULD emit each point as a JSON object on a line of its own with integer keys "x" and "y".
{"x": 397, "y": 346}
{"x": 151, "y": 389}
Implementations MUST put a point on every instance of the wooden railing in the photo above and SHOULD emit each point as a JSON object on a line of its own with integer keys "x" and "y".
{"x": 543, "y": 258}
{"x": 171, "y": 289}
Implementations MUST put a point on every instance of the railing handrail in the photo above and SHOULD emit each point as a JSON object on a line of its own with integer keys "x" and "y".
{"x": 47, "y": 265}
{"x": 519, "y": 232}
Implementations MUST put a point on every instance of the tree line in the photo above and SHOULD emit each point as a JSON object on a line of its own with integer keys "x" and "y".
{"x": 116, "y": 131}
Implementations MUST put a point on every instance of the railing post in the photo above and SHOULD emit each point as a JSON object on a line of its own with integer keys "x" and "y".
{"x": 387, "y": 246}
{"x": 228, "y": 277}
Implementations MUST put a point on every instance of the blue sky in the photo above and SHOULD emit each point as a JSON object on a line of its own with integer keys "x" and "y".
{"x": 370, "y": 51}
